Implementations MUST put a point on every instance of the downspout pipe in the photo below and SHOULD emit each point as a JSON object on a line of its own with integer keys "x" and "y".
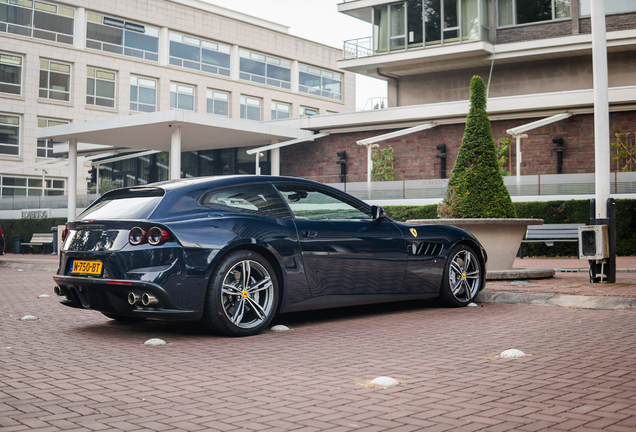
{"x": 397, "y": 86}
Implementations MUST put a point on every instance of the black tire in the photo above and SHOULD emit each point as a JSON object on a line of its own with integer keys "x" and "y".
{"x": 233, "y": 309}
{"x": 124, "y": 318}
{"x": 463, "y": 277}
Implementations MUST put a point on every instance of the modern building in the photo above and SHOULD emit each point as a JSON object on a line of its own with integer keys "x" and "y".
{"x": 535, "y": 56}
{"x": 79, "y": 61}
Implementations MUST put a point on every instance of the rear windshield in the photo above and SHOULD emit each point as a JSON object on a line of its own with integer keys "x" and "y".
{"x": 122, "y": 208}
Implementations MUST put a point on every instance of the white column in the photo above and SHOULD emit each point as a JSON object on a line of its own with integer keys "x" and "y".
{"x": 72, "y": 179}
{"x": 518, "y": 157}
{"x": 257, "y": 165}
{"x": 79, "y": 28}
{"x": 601, "y": 108}
{"x": 274, "y": 159}
{"x": 235, "y": 62}
{"x": 369, "y": 169}
{"x": 175, "y": 153}
{"x": 294, "y": 76}
{"x": 164, "y": 46}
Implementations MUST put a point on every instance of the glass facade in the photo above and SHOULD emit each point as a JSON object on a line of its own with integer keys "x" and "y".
{"x": 319, "y": 82}
{"x": 153, "y": 168}
{"x": 45, "y": 146}
{"x": 100, "y": 88}
{"x": 42, "y": 20}
{"x": 55, "y": 81}
{"x": 122, "y": 37}
{"x": 31, "y": 186}
{"x": 264, "y": 69}
{"x": 143, "y": 94}
{"x": 10, "y": 74}
{"x": 199, "y": 54}
{"x": 514, "y": 12}
{"x": 611, "y": 6}
{"x": 418, "y": 23}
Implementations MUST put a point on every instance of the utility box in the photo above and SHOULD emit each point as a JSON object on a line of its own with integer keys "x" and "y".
{"x": 593, "y": 242}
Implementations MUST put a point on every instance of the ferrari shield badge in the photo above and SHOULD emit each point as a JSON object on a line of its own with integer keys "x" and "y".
{"x": 414, "y": 232}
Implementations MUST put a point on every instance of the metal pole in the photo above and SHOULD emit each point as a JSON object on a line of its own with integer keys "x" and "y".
{"x": 518, "y": 157}
{"x": 72, "y": 179}
{"x": 43, "y": 180}
{"x": 601, "y": 108}
{"x": 97, "y": 180}
{"x": 175, "y": 153}
{"x": 369, "y": 168}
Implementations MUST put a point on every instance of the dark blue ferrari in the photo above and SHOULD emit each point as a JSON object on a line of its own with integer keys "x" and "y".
{"x": 231, "y": 252}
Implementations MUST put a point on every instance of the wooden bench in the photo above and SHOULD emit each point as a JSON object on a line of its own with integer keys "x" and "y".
{"x": 39, "y": 239}
{"x": 551, "y": 233}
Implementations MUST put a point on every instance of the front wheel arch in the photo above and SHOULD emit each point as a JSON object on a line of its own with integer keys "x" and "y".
{"x": 458, "y": 288}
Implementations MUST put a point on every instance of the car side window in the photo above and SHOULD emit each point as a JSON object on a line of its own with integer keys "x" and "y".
{"x": 255, "y": 198}
{"x": 317, "y": 204}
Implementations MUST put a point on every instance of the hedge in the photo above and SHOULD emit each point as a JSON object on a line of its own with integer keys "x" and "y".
{"x": 552, "y": 212}
{"x": 25, "y": 229}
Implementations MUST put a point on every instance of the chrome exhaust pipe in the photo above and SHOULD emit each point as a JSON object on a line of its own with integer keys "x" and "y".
{"x": 58, "y": 290}
{"x": 148, "y": 299}
{"x": 133, "y": 298}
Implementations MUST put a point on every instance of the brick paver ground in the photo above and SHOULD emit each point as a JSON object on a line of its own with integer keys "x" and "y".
{"x": 77, "y": 370}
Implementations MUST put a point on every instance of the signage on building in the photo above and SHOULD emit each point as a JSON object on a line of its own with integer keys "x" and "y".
{"x": 36, "y": 213}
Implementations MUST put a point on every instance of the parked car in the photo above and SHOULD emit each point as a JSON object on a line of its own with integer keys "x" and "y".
{"x": 1, "y": 241}
{"x": 231, "y": 252}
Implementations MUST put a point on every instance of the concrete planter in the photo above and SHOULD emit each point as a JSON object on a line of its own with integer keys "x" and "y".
{"x": 500, "y": 237}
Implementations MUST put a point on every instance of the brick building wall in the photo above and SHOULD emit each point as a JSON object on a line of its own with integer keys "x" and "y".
{"x": 415, "y": 153}
{"x": 626, "y": 21}
{"x": 535, "y": 31}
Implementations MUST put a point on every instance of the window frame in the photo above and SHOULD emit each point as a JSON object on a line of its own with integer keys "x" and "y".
{"x": 267, "y": 61}
{"x": 211, "y": 97}
{"x": 18, "y": 134}
{"x": 21, "y": 69}
{"x": 176, "y": 91}
{"x": 318, "y": 91}
{"x": 126, "y": 26}
{"x": 47, "y": 144}
{"x": 275, "y": 110}
{"x": 244, "y": 103}
{"x": 514, "y": 15}
{"x": 95, "y": 79}
{"x": 48, "y": 89}
{"x": 138, "y": 84}
{"x": 28, "y": 187}
{"x": 268, "y": 188}
{"x": 41, "y": 32}
{"x": 201, "y": 44}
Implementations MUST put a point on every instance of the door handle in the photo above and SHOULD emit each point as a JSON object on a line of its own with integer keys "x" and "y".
{"x": 309, "y": 234}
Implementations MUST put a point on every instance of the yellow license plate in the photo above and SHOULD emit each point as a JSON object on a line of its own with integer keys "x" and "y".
{"x": 87, "y": 267}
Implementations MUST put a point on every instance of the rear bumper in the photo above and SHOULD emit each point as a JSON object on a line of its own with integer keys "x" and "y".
{"x": 111, "y": 296}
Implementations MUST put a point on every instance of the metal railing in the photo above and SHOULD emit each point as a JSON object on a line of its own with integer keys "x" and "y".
{"x": 355, "y": 48}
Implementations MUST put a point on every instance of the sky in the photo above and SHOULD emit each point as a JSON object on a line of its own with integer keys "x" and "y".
{"x": 316, "y": 20}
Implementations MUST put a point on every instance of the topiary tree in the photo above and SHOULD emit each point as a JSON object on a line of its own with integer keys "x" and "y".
{"x": 476, "y": 188}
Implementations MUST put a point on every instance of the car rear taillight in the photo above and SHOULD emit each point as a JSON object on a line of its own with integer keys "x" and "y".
{"x": 136, "y": 236}
{"x": 0, "y": 231}
{"x": 64, "y": 233}
{"x": 157, "y": 236}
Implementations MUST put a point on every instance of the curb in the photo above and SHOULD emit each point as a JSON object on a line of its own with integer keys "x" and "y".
{"x": 28, "y": 266}
{"x": 559, "y": 300}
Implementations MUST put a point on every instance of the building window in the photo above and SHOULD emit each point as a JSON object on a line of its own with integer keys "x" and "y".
{"x": 9, "y": 135}
{"x": 611, "y": 6}
{"x": 280, "y": 110}
{"x": 55, "y": 81}
{"x": 122, "y": 37}
{"x": 10, "y": 74}
{"x": 320, "y": 82}
{"x": 24, "y": 186}
{"x": 264, "y": 69}
{"x": 218, "y": 103}
{"x": 143, "y": 94}
{"x": 37, "y": 19}
{"x": 181, "y": 97}
{"x": 45, "y": 146}
{"x": 250, "y": 108}
{"x": 198, "y": 54}
{"x": 513, "y": 12}
{"x": 100, "y": 88}
{"x": 308, "y": 112}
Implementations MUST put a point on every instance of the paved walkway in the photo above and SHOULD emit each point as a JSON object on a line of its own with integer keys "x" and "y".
{"x": 76, "y": 370}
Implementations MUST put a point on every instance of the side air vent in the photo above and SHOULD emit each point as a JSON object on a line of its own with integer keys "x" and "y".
{"x": 427, "y": 249}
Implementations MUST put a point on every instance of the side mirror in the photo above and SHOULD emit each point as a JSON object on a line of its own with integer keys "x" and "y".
{"x": 377, "y": 212}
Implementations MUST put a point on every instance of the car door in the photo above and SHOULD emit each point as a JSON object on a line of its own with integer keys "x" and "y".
{"x": 345, "y": 251}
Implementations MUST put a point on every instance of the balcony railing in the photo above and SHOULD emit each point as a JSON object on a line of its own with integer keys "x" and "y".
{"x": 355, "y": 48}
